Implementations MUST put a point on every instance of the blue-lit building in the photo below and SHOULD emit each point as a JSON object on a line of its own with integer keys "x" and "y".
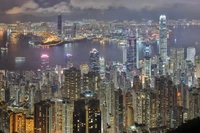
{"x": 94, "y": 63}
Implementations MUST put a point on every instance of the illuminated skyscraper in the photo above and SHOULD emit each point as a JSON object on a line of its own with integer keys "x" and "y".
{"x": 94, "y": 60}
{"x": 102, "y": 67}
{"x": 69, "y": 60}
{"x": 124, "y": 54}
{"x": 197, "y": 64}
{"x": 162, "y": 45}
{"x": 147, "y": 61}
{"x": 163, "y": 38}
{"x": 191, "y": 52}
{"x": 131, "y": 64}
{"x": 59, "y": 26}
{"x": 44, "y": 61}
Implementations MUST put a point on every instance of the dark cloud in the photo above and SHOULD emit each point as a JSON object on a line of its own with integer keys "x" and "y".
{"x": 101, "y": 9}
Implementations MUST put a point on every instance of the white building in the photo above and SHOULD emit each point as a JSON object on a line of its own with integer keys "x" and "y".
{"x": 191, "y": 52}
{"x": 102, "y": 67}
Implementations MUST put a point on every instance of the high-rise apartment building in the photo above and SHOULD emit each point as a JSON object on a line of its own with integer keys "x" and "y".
{"x": 72, "y": 84}
{"x": 44, "y": 117}
{"x": 91, "y": 81}
{"x": 86, "y": 116}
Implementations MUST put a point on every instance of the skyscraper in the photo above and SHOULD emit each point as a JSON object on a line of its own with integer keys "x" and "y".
{"x": 59, "y": 26}
{"x": 191, "y": 51}
{"x": 72, "y": 83}
{"x": 94, "y": 60}
{"x": 163, "y": 41}
{"x": 86, "y": 116}
{"x": 102, "y": 67}
{"x": 147, "y": 61}
{"x": 131, "y": 64}
{"x": 124, "y": 54}
{"x": 44, "y": 61}
{"x": 44, "y": 120}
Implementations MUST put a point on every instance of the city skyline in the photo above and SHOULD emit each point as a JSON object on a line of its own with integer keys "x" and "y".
{"x": 94, "y": 76}
{"x": 46, "y": 10}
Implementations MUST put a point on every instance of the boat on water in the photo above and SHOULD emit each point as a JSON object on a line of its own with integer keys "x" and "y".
{"x": 20, "y": 59}
{"x": 122, "y": 43}
{"x": 4, "y": 49}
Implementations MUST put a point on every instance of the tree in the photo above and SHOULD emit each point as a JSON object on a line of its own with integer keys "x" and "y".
{"x": 191, "y": 126}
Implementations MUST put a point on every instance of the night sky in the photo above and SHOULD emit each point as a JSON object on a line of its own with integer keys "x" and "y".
{"x": 46, "y": 10}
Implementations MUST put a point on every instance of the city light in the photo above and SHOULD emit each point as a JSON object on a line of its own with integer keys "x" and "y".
{"x": 44, "y": 56}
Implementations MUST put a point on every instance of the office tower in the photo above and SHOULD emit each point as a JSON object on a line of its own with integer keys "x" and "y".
{"x": 147, "y": 61}
{"x": 102, "y": 67}
{"x": 191, "y": 52}
{"x": 72, "y": 84}
{"x": 114, "y": 75}
{"x": 94, "y": 60}
{"x": 124, "y": 54}
{"x": 91, "y": 81}
{"x": 86, "y": 116}
{"x": 197, "y": 64}
{"x": 44, "y": 117}
{"x": 69, "y": 60}
{"x": 59, "y": 26}
{"x": 44, "y": 61}
{"x": 131, "y": 64}
{"x": 74, "y": 34}
{"x": 163, "y": 38}
{"x": 173, "y": 58}
{"x": 180, "y": 59}
{"x": 84, "y": 69}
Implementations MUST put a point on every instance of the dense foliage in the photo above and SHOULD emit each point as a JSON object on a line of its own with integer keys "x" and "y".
{"x": 191, "y": 126}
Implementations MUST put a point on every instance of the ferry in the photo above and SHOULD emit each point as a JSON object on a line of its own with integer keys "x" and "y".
{"x": 122, "y": 43}
{"x": 20, "y": 59}
{"x": 4, "y": 49}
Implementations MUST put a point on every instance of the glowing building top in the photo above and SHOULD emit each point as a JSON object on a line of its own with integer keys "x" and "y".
{"x": 44, "y": 56}
{"x": 94, "y": 60}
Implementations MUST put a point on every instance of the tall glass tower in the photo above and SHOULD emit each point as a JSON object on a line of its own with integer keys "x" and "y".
{"x": 94, "y": 60}
{"x": 147, "y": 61}
{"x": 131, "y": 62}
{"x": 59, "y": 26}
{"x": 163, "y": 38}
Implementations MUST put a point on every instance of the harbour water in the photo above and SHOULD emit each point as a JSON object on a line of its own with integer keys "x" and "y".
{"x": 185, "y": 37}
